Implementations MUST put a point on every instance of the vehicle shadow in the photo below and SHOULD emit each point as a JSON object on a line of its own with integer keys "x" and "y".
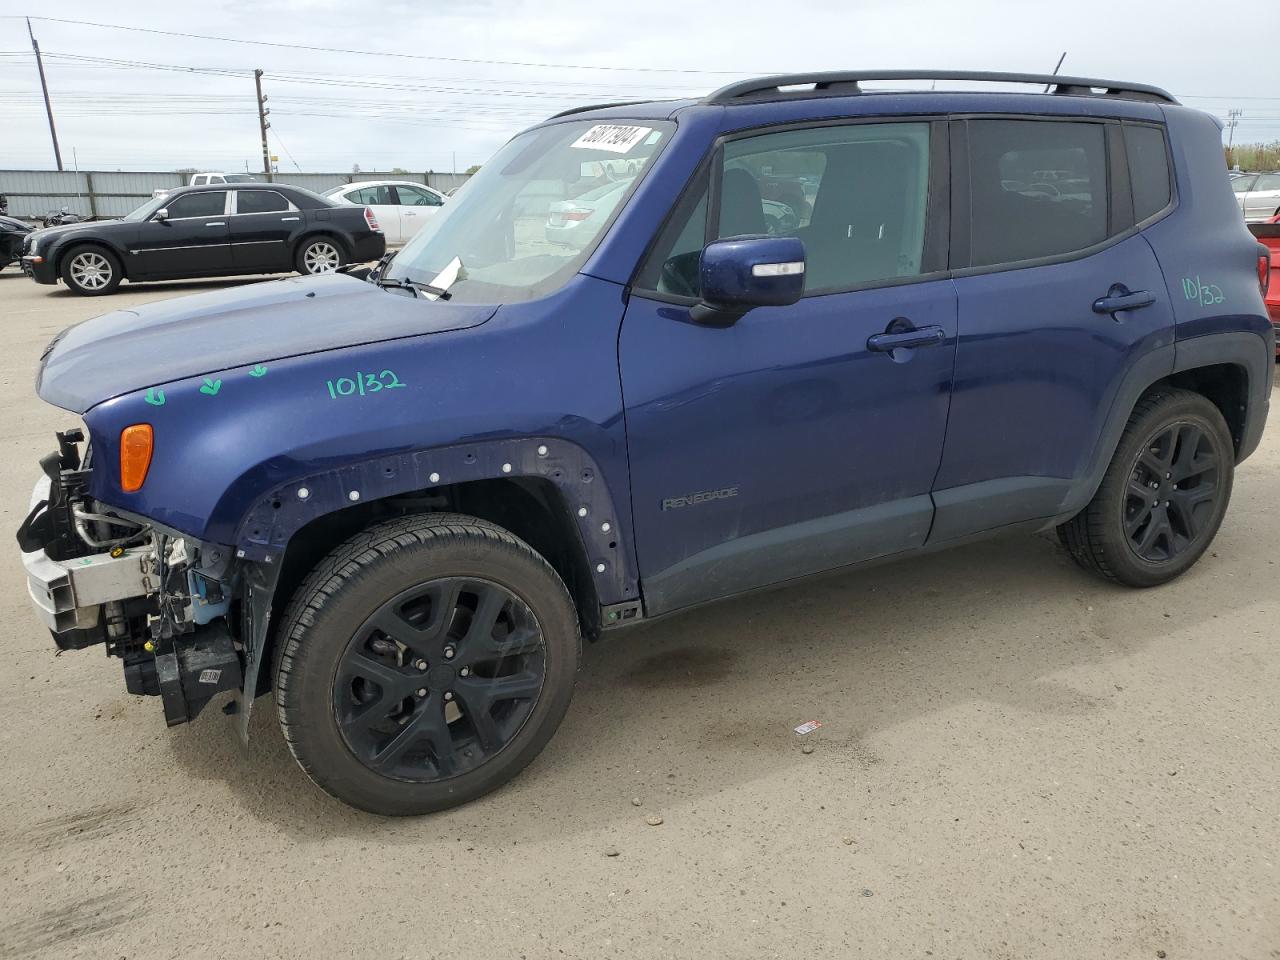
{"x": 679, "y": 709}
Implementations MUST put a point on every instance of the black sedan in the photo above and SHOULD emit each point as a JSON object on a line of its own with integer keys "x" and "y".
{"x": 207, "y": 231}
{"x": 12, "y": 232}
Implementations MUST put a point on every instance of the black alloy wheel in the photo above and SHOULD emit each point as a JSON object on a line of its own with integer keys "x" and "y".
{"x": 1172, "y": 493}
{"x": 439, "y": 679}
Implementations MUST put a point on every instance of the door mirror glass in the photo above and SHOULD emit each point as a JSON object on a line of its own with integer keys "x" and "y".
{"x": 161, "y": 215}
{"x": 744, "y": 272}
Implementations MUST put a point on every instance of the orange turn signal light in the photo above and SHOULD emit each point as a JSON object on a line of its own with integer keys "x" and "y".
{"x": 135, "y": 456}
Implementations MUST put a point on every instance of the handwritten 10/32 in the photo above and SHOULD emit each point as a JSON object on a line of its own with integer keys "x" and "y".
{"x": 362, "y": 384}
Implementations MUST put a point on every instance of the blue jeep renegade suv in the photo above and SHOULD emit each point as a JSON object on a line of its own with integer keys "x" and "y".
{"x": 654, "y": 354}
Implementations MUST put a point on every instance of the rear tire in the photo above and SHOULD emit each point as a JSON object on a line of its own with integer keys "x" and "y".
{"x": 1162, "y": 498}
{"x": 319, "y": 255}
{"x": 91, "y": 271}
{"x": 397, "y": 692}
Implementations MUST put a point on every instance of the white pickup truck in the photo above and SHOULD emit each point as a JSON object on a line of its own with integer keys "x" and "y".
{"x": 200, "y": 179}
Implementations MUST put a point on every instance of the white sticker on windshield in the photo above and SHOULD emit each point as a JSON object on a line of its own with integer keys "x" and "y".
{"x": 613, "y": 137}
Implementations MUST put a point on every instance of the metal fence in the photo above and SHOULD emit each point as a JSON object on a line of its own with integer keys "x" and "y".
{"x": 101, "y": 193}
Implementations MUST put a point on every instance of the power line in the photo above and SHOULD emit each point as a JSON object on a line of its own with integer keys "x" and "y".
{"x": 381, "y": 53}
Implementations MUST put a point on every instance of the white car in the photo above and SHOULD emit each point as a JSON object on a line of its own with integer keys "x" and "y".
{"x": 401, "y": 207}
{"x": 1258, "y": 195}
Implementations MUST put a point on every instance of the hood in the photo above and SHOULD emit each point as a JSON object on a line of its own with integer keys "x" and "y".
{"x": 14, "y": 225}
{"x": 44, "y": 235}
{"x": 192, "y": 336}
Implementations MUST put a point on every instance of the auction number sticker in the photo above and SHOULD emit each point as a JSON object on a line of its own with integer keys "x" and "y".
{"x": 613, "y": 137}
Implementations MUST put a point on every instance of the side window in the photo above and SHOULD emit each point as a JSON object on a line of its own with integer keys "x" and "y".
{"x": 372, "y": 195}
{"x": 1268, "y": 181}
{"x": 211, "y": 204}
{"x": 1038, "y": 189}
{"x": 413, "y": 197}
{"x": 856, "y": 195}
{"x": 1243, "y": 184}
{"x": 260, "y": 201}
{"x": 1148, "y": 169}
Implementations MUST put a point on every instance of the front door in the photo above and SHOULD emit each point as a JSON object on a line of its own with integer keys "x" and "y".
{"x": 800, "y": 438}
{"x": 194, "y": 240}
{"x": 417, "y": 205}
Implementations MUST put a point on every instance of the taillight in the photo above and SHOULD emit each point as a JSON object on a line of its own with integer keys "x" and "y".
{"x": 371, "y": 220}
{"x": 576, "y": 214}
{"x": 1264, "y": 270}
{"x": 135, "y": 456}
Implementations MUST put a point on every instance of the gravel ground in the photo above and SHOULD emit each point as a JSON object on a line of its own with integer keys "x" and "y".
{"x": 1015, "y": 761}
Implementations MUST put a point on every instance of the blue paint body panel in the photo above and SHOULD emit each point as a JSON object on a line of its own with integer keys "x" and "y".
{"x": 723, "y": 459}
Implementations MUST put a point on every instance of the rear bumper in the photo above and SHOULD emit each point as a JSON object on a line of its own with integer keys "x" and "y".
{"x": 370, "y": 246}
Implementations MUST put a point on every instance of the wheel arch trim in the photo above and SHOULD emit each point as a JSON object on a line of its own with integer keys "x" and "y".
{"x": 264, "y": 532}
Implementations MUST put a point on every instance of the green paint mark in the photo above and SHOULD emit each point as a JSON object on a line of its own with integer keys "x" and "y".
{"x": 155, "y": 397}
{"x": 211, "y": 387}
{"x": 258, "y": 371}
{"x": 363, "y": 384}
{"x": 1205, "y": 294}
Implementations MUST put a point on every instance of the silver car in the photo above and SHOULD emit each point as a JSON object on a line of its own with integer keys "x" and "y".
{"x": 1258, "y": 195}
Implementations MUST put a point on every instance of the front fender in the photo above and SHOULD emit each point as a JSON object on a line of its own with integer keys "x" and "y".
{"x": 360, "y": 423}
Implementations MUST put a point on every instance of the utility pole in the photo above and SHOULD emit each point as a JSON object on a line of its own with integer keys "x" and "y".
{"x": 1233, "y": 117}
{"x": 263, "y": 124}
{"x": 53, "y": 132}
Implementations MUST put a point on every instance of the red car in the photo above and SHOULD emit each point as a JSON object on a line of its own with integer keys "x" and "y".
{"x": 1268, "y": 234}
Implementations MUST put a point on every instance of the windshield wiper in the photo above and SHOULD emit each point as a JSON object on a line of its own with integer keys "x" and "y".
{"x": 414, "y": 285}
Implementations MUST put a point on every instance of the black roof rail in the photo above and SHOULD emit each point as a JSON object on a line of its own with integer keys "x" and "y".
{"x": 845, "y": 82}
{"x": 596, "y": 106}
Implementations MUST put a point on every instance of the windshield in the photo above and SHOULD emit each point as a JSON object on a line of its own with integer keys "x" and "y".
{"x": 509, "y": 228}
{"x": 146, "y": 210}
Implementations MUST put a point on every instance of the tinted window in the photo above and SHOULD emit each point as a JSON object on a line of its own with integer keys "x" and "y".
{"x": 856, "y": 195}
{"x": 1039, "y": 189}
{"x": 413, "y": 197}
{"x": 211, "y": 204}
{"x": 1148, "y": 169}
{"x": 1243, "y": 184}
{"x": 260, "y": 201}
{"x": 1268, "y": 181}
{"x": 372, "y": 195}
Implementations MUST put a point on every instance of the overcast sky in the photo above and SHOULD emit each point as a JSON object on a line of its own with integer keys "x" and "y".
{"x": 400, "y": 107}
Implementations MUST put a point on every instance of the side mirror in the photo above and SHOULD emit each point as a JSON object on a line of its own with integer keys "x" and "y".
{"x": 161, "y": 215}
{"x": 744, "y": 272}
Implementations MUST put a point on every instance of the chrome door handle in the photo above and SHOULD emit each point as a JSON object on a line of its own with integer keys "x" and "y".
{"x": 220, "y": 223}
{"x": 287, "y": 219}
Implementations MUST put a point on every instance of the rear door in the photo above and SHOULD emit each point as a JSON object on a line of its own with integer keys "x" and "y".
{"x": 795, "y": 440}
{"x": 416, "y": 204}
{"x": 194, "y": 240}
{"x": 262, "y": 223}
{"x": 1060, "y": 299}
{"x": 382, "y": 200}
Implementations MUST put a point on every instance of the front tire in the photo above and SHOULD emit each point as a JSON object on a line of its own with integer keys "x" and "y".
{"x": 1162, "y": 498}
{"x": 319, "y": 255}
{"x": 91, "y": 271}
{"x": 424, "y": 663}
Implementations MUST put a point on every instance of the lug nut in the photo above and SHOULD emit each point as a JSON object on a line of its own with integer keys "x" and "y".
{"x": 420, "y": 664}
{"x": 422, "y": 691}
{"x": 448, "y": 694}
{"x": 464, "y": 672}
{"x": 449, "y": 653}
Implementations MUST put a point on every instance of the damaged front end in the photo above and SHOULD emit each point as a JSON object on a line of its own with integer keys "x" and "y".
{"x": 170, "y": 607}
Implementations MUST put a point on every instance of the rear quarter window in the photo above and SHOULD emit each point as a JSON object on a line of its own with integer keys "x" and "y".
{"x": 1148, "y": 169}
